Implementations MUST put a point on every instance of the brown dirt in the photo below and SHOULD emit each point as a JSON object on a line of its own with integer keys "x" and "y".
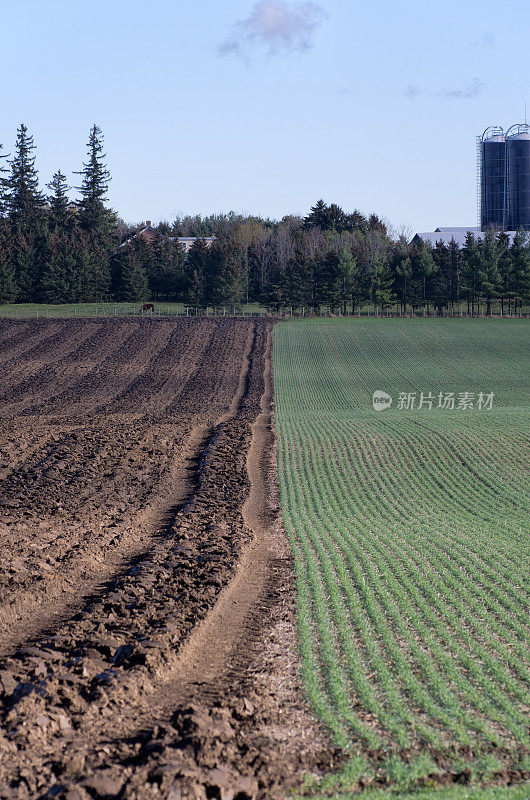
{"x": 146, "y": 596}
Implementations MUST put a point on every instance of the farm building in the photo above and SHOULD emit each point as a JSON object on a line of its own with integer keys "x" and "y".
{"x": 447, "y": 235}
{"x": 149, "y": 234}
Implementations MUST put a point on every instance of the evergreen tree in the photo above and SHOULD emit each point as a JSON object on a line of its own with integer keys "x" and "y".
{"x": 505, "y": 270}
{"x": 361, "y": 283}
{"x": 60, "y": 282}
{"x": 520, "y": 268}
{"x": 223, "y": 274}
{"x": 402, "y": 271}
{"x": 23, "y": 199}
{"x": 454, "y": 275}
{"x": 97, "y": 221}
{"x": 328, "y": 288}
{"x": 8, "y": 289}
{"x": 489, "y": 268}
{"x": 439, "y": 284}
{"x": 3, "y": 181}
{"x": 346, "y": 267}
{"x": 134, "y": 284}
{"x": 423, "y": 269}
{"x": 317, "y": 216}
{"x": 167, "y": 276}
{"x": 376, "y": 224}
{"x": 59, "y": 215}
{"x": 196, "y": 266}
{"x": 382, "y": 283}
{"x": 470, "y": 271}
{"x": 25, "y": 209}
{"x": 25, "y": 256}
{"x": 93, "y": 215}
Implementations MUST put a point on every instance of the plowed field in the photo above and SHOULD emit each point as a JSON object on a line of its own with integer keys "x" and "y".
{"x": 141, "y": 565}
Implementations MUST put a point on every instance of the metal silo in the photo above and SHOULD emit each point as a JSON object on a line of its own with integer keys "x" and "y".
{"x": 518, "y": 177}
{"x": 492, "y": 166}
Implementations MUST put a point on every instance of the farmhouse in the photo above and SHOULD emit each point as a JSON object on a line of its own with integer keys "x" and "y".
{"x": 148, "y": 233}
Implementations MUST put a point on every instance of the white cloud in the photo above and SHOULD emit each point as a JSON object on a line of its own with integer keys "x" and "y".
{"x": 487, "y": 40}
{"x": 465, "y": 92}
{"x": 274, "y": 27}
{"x": 469, "y": 90}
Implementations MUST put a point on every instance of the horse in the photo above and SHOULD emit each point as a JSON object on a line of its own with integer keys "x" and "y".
{"x": 147, "y": 307}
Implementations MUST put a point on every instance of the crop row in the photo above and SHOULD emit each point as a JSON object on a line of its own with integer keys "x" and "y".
{"x": 408, "y": 530}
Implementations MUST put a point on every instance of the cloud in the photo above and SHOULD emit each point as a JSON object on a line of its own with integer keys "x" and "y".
{"x": 466, "y": 92}
{"x": 486, "y": 40}
{"x": 275, "y": 27}
{"x": 413, "y": 90}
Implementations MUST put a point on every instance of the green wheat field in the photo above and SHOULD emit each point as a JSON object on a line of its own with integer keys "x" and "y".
{"x": 409, "y": 527}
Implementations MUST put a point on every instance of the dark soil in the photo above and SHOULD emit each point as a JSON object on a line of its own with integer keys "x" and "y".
{"x": 146, "y": 597}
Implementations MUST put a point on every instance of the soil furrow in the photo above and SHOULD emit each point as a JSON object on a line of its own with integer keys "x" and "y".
{"x": 182, "y": 592}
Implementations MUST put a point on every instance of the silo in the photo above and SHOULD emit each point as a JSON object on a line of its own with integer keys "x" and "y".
{"x": 492, "y": 178}
{"x": 518, "y": 177}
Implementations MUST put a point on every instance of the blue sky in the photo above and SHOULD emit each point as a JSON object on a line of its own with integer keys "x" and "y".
{"x": 264, "y": 107}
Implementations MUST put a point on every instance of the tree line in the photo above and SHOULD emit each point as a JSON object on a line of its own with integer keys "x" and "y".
{"x": 56, "y": 250}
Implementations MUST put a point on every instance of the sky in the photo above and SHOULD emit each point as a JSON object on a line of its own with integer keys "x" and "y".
{"x": 265, "y": 107}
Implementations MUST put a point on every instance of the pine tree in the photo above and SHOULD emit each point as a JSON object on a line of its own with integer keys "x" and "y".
{"x": 23, "y": 200}
{"x": 3, "y": 181}
{"x": 134, "y": 285}
{"x": 423, "y": 271}
{"x": 167, "y": 276}
{"x": 25, "y": 209}
{"x": 223, "y": 274}
{"x": 454, "y": 276}
{"x": 520, "y": 268}
{"x": 505, "y": 267}
{"x": 60, "y": 278}
{"x": 402, "y": 270}
{"x": 196, "y": 266}
{"x": 8, "y": 289}
{"x": 96, "y": 221}
{"x": 470, "y": 272}
{"x": 93, "y": 215}
{"x": 382, "y": 283}
{"x": 317, "y": 217}
{"x": 59, "y": 214}
{"x": 347, "y": 265}
{"x": 25, "y": 257}
{"x": 489, "y": 268}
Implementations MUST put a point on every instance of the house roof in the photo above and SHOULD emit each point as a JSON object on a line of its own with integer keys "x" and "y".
{"x": 458, "y": 235}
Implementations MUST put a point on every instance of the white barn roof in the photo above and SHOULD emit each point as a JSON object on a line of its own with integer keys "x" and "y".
{"x": 458, "y": 235}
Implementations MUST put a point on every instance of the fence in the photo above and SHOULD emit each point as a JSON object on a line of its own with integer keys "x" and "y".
{"x": 161, "y": 310}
